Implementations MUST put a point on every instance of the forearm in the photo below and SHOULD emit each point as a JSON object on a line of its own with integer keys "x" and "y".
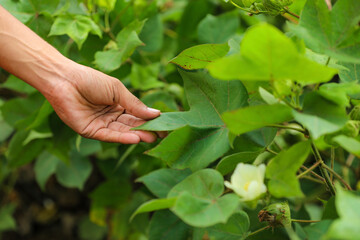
{"x": 27, "y": 56}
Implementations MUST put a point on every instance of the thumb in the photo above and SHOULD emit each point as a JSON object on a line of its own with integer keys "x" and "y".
{"x": 133, "y": 105}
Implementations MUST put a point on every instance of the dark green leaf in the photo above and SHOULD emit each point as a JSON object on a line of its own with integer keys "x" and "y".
{"x": 160, "y": 182}
{"x": 335, "y": 33}
{"x": 164, "y": 225}
{"x": 229, "y": 163}
{"x": 218, "y": 29}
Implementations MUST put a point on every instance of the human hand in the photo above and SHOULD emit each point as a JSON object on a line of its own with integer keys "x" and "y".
{"x": 100, "y": 107}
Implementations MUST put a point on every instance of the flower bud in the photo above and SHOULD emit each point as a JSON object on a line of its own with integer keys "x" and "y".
{"x": 247, "y": 181}
{"x": 277, "y": 214}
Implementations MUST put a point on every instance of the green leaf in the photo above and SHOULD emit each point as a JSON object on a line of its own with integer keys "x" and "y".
{"x": 199, "y": 212}
{"x": 236, "y": 228}
{"x": 164, "y": 225}
{"x": 18, "y": 85}
{"x": 351, "y": 74}
{"x": 161, "y": 100}
{"x": 75, "y": 173}
{"x": 347, "y": 227}
{"x": 77, "y": 27}
{"x": 351, "y": 145}
{"x": 127, "y": 41}
{"x": 218, "y": 29}
{"x": 200, "y": 56}
{"x": 335, "y": 33}
{"x": 255, "y": 141}
{"x": 160, "y": 182}
{"x": 321, "y": 116}
{"x": 45, "y": 166}
{"x": 153, "y": 205}
{"x": 339, "y": 92}
{"x": 254, "y": 117}
{"x": 19, "y": 154}
{"x": 256, "y": 63}
{"x": 281, "y": 171}
{"x": 199, "y": 203}
{"x": 152, "y": 34}
{"x": 208, "y": 99}
{"x": 192, "y": 148}
{"x": 316, "y": 231}
{"x": 206, "y": 138}
{"x": 145, "y": 77}
{"x": 112, "y": 193}
{"x": 88, "y": 230}
{"x": 229, "y": 163}
{"x": 7, "y": 222}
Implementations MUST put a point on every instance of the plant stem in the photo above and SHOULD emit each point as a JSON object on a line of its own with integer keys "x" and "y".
{"x": 291, "y": 13}
{"x": 271, "y": 151}
{"x": 314, "y": 174}
{"x": 322, "y": 167}
{"x": 314, "y": 179}
{"x": 308, "y": 170}
{"x": 338, "y": 177}
{"x": 259, "y": 230}
{"x": 106, "y": 20}
{"x": 332, "y": 160}
{"x": 327, "y": 61}
{"x": 287, "y": 127}
{"x": 305, "y": 221}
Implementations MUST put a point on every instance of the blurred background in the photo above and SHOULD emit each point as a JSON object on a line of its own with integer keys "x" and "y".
{"x": 55, "y": 184}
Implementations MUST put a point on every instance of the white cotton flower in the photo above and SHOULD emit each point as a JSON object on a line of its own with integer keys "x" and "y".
{"x": 247, "y": 181}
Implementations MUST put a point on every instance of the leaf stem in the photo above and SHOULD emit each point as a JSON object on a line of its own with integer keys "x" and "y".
{"x": 287, "y": 127}
{"x": 327, "y": 61}
{"x": 305, "y": 221}
{"x": 271, "y": 151}
{"x": 259, "y": 230}
{"x": 308, "y": 170}
{"x": 291, "y": 13}
{"x": 314, "y": 179}
{"x": 322, "y": 167}
{"x": 338, "y": 177}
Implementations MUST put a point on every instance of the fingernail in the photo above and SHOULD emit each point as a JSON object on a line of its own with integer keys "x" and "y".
{"x": 153, "y": 110}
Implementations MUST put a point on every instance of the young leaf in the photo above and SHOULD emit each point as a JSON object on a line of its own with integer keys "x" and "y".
{"x": 334, "y": 33}
{"x": 281, "y": 171}
{"x": 160, "y": 182}
{"x": 250, "y": 118}
{"x": 268, "y": 55}
{"x": 200, "y": 56}
{"x": 127, "y": 41}
{"x": 153, "y": 205}
{"x": 76, "y": 26}
{"x": 44, "y": 167}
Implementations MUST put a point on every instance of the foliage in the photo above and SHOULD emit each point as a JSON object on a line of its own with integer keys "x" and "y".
{"x": 268, "y": 87}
